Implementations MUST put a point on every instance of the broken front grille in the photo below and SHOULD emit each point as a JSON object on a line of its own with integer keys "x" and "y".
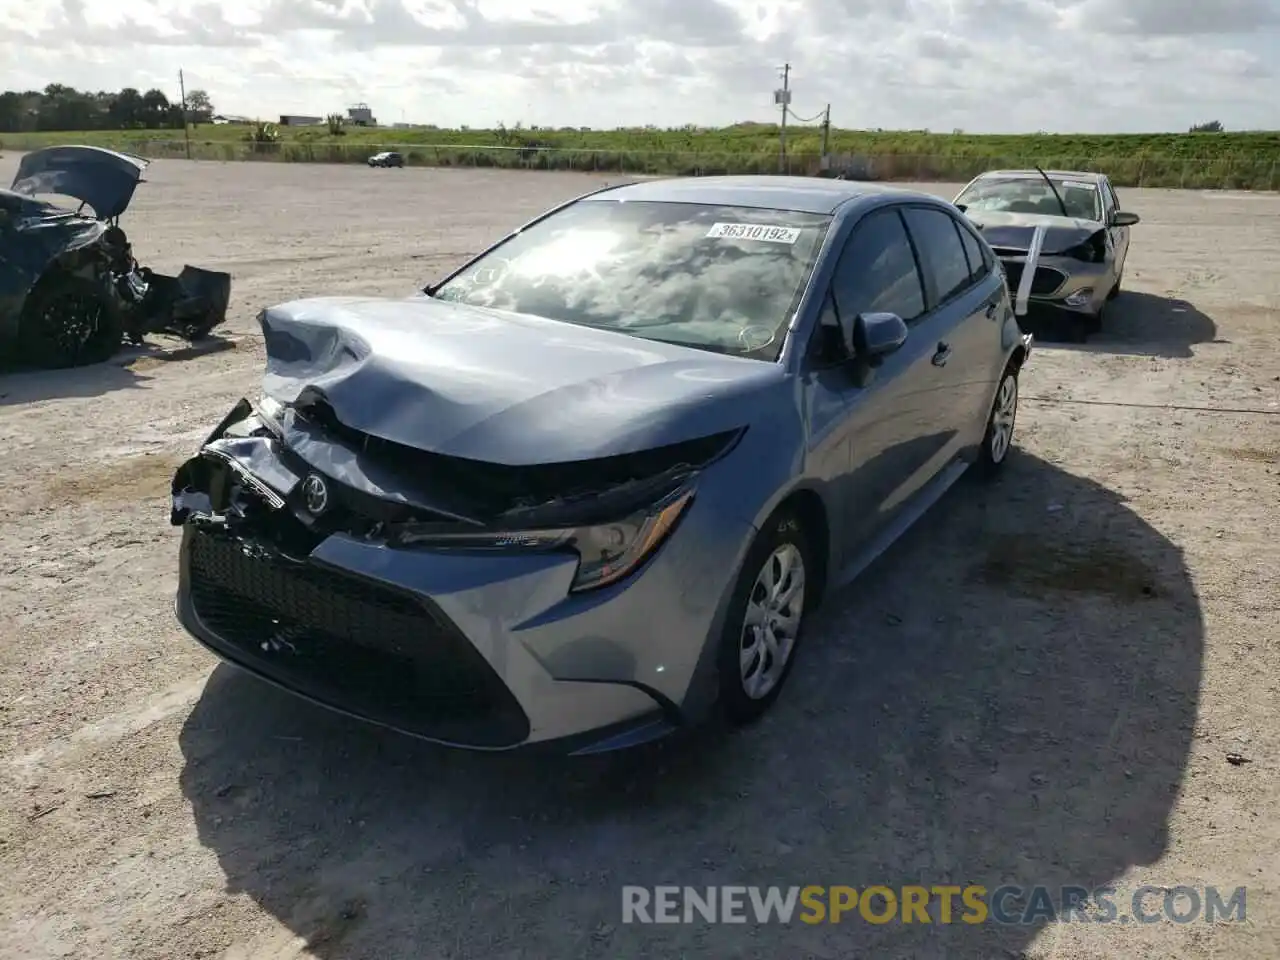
{"x": 350, "y": 643}
{"x": 1045, "y": 281}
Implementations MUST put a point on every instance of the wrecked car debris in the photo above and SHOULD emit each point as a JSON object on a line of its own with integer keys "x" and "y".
{"x": 70, "y": 288}
{"x": 253, "y": 469}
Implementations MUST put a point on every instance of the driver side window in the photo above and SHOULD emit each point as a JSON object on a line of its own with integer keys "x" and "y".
{"x": 877, "y": 271}
{"x": 1110, "y": 202}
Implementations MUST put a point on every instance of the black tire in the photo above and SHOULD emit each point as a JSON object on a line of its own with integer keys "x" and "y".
{"x": 67, "y": 322}
{"x": 738, "y": 706}
{"x": 1093, "y": 322}
{"x": 992, "y": 457}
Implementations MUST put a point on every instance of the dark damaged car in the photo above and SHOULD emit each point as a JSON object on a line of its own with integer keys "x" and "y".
{"x": 589, "y": 487}
{"x": 70, "y": 289}
{"x": 1060, "y": 236}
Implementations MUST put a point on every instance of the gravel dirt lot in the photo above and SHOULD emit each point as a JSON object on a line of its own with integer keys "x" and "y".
{"x": 1040, "y": 685}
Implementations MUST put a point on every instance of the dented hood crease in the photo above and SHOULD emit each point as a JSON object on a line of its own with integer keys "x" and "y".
{"x": 503, "y": 388}
{"x": 1015, "y": 230}
{"x": 104, "y": 179}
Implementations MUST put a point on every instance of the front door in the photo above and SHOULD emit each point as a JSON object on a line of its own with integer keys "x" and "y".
{"x": 875, "y": 437}
{"x": 1118, "y": 236}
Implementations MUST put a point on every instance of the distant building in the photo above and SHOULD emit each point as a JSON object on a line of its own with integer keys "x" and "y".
{"x": 361, "y": 116}
{"x": 222, "y": 118}
{"x": 293, "y": 120}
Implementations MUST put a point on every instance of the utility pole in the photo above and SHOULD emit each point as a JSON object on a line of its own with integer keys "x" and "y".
{"x": 186, "y": 126}
{"x": 826, "y": 136}
{"x": 783, "y": 99}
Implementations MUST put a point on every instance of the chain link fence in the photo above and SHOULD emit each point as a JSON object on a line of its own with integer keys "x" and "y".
{"x": 1232, "y": 173}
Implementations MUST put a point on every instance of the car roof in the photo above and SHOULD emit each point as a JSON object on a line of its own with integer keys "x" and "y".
{"x": 1090, "y": 177}
{"x": 799, "y": 194}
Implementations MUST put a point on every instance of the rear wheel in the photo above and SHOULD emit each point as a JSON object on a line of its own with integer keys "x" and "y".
{"x": 67, "y": 322}
{"x": 766, "y": 619}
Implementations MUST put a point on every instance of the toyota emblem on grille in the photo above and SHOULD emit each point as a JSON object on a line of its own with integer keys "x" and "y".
{"x": 315, "y": 495}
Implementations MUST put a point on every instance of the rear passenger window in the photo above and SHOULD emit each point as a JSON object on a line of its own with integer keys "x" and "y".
{"x": 942, "y": 256}
{"x": 877, "y": 270}
{"x": 979, "y": 266}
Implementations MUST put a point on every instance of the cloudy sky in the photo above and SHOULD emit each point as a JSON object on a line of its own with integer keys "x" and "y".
{"x": 979, "y": 65}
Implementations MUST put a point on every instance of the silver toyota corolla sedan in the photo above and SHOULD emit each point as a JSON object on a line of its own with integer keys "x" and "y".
{"x": 587, "y": 489}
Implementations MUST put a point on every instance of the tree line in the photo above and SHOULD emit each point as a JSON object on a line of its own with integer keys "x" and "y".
{"x": 59, "y": 107}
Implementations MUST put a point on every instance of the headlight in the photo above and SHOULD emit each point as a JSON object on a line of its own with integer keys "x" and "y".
{"x": 608, "y": 551}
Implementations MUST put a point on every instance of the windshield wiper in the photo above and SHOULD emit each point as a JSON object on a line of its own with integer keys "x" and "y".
{"x": 1061, "y": 205}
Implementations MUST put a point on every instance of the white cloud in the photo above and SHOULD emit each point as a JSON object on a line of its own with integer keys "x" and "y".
{"x": 981, "y": 65}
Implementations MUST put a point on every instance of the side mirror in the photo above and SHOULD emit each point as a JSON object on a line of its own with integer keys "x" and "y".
{"x": 1123, "y": 219}
{"x": 870, "y": 337}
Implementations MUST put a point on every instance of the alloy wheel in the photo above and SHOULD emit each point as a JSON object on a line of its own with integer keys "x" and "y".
{"x": 1002, "y": 418}
{"x": 771, "y": 627}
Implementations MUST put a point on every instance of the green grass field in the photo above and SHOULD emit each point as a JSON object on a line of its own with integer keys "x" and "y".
{"x": 1201, "y": 160}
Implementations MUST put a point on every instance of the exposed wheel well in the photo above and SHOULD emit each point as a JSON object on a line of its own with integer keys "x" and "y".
{"x": 808, "y": 508}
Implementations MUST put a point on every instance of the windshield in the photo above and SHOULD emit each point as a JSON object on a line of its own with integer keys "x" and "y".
{"x": 718, "y": 278}
{"x": 1032, "y": 195}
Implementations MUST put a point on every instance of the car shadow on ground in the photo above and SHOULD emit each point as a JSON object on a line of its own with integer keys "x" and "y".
{"x": 1138, "y": 324}
{"x": 1007, "y": 697}
{"x": 34, "y": 386}
{"x": 121, "y": 372}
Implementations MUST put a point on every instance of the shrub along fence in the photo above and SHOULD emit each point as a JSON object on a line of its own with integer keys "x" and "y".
{"x": 1125, "y": 171}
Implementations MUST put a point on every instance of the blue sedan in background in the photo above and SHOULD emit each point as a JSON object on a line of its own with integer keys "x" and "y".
{"x": 587, "y": 489}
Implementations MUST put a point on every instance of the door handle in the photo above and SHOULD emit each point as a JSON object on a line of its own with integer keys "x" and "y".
{"x": 943, "y": 355}
{"x": 991, "y": 311}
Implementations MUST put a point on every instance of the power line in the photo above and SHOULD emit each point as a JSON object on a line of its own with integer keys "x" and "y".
{"x": 816, "y": 117}
{"x": 782, "y": 99}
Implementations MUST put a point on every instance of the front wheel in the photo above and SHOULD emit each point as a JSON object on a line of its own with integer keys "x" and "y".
{"x": 998, "y": 439}
{"x": 764, "y": 627}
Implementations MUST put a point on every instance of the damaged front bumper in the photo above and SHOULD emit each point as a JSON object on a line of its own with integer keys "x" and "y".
{"x": 1054, "y": 281}
{"x": 297, "y": 576}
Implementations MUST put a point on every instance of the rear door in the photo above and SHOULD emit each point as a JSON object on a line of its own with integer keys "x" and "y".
{"x": 987, "y": 339}
{"x": 958, "y": 332}
{"x": 885, "y": 429}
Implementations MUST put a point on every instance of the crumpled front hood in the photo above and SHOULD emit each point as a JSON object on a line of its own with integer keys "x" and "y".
{"x": 504, "y": 388}
{"x": 104, "y": 179}
{"x": 1014, "y": 230}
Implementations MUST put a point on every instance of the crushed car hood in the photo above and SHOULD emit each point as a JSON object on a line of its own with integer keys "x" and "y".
{"x": 502, "y": 388}
{"x": 1013, "y": 231}
{"x": 104, "y": 179}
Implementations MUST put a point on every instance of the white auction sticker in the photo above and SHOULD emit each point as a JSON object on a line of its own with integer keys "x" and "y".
{"x": 754, "y": 231}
